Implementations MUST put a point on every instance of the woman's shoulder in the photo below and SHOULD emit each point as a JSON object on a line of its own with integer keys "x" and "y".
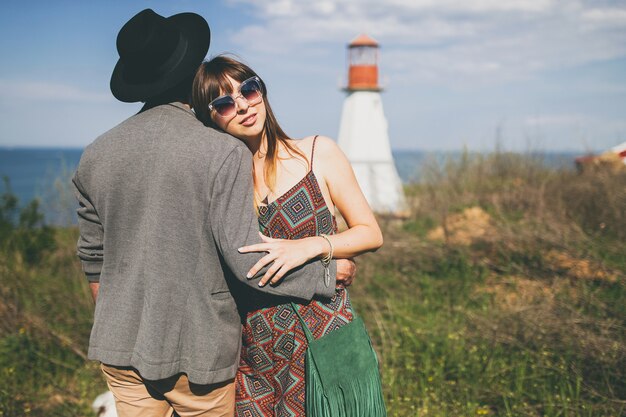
{"x": 323, "y": 145}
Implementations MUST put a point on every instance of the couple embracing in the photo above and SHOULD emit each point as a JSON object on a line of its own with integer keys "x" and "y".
{"x": 203, "y": 226}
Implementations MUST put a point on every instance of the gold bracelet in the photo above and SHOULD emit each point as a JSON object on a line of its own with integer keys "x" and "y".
{"x": 326, "y": 259}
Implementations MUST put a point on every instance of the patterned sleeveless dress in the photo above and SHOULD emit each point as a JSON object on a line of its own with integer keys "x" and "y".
{"x": 270, "y": 378}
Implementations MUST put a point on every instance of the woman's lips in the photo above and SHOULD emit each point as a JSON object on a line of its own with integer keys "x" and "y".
{"x": 249, "y": 121}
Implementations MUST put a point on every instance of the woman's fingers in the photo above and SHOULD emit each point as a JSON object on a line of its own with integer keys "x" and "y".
{"x": 269, "y": 273}
{"x": 280, "y": 274}
{"x": 267, "y": 239}
{"x": 279, "y": 251}
{"x": 266, "y": 260}
{"x": 257, "y": 247}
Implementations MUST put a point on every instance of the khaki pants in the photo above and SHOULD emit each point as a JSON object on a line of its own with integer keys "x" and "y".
{"x": 138, "y": 397}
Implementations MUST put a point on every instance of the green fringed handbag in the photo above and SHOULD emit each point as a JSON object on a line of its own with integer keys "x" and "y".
{"x": 342, "y": 377}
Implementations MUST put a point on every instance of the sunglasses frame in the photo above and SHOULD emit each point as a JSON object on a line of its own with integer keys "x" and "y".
{"x": 235, "y": 97}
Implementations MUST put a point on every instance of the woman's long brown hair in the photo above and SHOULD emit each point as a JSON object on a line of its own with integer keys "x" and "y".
{"x": 210, "y": 82}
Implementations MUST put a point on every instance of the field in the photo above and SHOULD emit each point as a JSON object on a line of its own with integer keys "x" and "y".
{"x": 502, "y": 293}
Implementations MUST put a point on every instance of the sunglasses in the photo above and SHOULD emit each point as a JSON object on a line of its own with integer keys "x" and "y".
{"x": 250, "y": 90}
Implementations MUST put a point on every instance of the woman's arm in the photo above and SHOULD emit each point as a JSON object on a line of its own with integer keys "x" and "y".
{"x": 363, "y": 234}
{"x": 234, "y": 224}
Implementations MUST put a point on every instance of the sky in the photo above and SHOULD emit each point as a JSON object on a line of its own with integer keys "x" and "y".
{"x": 523, "y": 75}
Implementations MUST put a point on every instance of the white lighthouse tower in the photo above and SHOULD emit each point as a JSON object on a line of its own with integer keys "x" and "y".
{"x": 363, "y": 133}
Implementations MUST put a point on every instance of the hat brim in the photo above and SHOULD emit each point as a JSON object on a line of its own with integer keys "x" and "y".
{"x": 198, "y": 35}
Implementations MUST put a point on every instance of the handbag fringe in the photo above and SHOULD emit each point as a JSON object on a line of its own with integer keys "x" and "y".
{"x": 360, "y": 397}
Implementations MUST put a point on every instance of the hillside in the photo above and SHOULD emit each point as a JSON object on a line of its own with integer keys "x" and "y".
{"x": 501, "y": 294}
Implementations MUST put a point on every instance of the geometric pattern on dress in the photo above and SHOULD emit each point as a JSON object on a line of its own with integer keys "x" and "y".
{"x": 286, "y": 375}
{"x": 315, "y": 319}
{"x": 334, "y": 324}
{"x": 282, "y": 410}
{"x": 278, "y": 228}
{"x": 285, "y": 345}
{"x": 249, "y": 409}
{"x": 298, "y": 207}
{"x": 286, "y": 379}
{"x": 273, "y": 341}
{"x": 300, "y": 396}
{"x": 304, "y": 230}
{"x": 266, "y": 211}
{"x": 325, "y": 220}
{"x": 260, "y": 328}
{"x": 259, "y": 388}
{"x": 259, "y": 358}
{"x": 289, "y": 213}
{"x": 283, "y": 317}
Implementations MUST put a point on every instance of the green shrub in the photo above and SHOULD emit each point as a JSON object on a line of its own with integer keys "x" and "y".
{"x": 23, "y": 231}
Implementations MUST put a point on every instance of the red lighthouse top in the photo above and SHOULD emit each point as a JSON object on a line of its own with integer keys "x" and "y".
{"x": 363, "y": 64}
{"x": 363, "y": 40}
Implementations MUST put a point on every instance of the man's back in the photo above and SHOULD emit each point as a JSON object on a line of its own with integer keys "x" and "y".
{"x": 149, "y": 182}
{"x": 164, "y": 205}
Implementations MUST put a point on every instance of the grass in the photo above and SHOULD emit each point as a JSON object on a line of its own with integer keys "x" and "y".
{"x": 457, "y": 340}
{"x": 516, "y": 308}
{"x": 502, "y": 294}
{"x": 46, "y": 314}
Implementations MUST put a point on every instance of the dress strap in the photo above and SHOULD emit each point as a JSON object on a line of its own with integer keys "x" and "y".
{"x": 307, "y": 332}
{"x": 313, "y": 151}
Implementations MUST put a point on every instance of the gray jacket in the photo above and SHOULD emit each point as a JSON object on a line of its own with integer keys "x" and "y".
{"x": 164, "y": 203}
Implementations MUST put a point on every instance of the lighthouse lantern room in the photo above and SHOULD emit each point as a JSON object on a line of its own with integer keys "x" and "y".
{"x": 363, "y": 64}
{"x": 363, "y": 135}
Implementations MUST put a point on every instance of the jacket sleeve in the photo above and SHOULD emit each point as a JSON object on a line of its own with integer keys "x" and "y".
{"x": 235, "y": 224}
{"x": 90, "y": 246}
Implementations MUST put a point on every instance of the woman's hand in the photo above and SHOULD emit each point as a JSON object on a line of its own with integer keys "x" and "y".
{"x": 285, "y": 254}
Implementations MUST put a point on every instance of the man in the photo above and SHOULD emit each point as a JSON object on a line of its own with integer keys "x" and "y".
{"x": 164, "y": 203}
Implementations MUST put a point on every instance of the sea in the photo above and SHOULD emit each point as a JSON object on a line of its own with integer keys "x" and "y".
{"x": 45, "y": 174}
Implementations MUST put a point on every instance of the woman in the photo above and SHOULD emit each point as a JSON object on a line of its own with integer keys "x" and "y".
{"x": 298, "y": 184}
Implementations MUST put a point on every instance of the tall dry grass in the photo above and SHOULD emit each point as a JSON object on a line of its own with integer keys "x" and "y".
{"x": 504, "y": 292}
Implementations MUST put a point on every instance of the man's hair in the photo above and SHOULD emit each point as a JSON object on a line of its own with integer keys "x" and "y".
{"x": 180, "y": 92}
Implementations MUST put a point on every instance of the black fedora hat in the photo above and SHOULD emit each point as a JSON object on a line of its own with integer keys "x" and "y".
{"x": 157, "y": 53}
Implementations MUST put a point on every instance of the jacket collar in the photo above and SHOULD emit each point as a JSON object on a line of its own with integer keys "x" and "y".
{"x": 182, "y": 107}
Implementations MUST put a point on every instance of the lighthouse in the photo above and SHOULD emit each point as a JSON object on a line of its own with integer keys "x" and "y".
{"x": 363, "y": 135}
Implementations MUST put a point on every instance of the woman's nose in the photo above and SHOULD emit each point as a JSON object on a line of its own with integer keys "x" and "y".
{"x": 242, "y": 104}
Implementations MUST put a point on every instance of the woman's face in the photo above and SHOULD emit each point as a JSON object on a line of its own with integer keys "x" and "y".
{"x": 248, "y": 121}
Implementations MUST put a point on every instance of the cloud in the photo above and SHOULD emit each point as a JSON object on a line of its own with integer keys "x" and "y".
{"x": 21, "y": 90}
{"x": 476, "y": 6}
{"x": 605, "y": 17}
{"x": 298, "y": 8}
{"x": 442, "y": 40}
